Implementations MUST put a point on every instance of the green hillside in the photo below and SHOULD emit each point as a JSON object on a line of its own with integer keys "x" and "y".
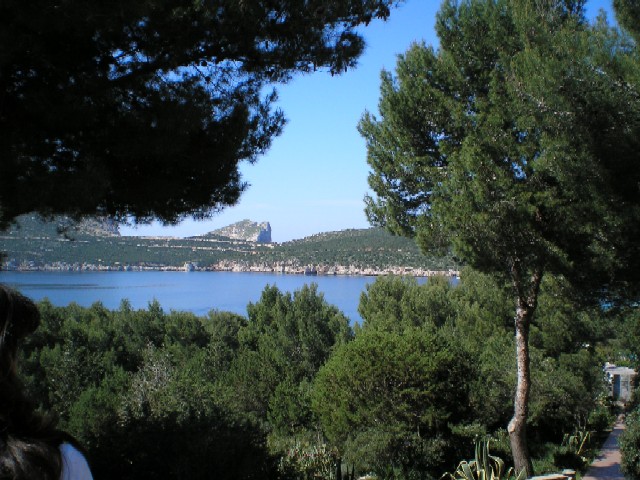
{"x": 40, "y": 245}
{"x": 374, "y": 248}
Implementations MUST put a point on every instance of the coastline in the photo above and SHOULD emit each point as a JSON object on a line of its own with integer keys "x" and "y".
{"x": 228, "y": 266}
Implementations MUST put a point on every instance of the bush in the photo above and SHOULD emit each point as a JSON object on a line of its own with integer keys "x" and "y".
{"x": 132, "y": 385}
{"x": 630, "y": 446}
{"x": 305, "y": 460}
{"x": 601, "y": 418}
{"x": 389, "y": 400}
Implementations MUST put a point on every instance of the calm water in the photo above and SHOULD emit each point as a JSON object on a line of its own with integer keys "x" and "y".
{"x": 198, "y": 292}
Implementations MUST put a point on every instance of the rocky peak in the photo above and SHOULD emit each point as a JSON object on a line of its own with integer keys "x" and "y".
{"x": 247, "y": 230}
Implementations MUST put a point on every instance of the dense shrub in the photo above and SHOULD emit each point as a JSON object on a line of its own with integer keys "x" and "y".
{"x": 630, "y": 445}
{"x": 390, "y": 398}
{"x": 291, "y": 389}
{"x": 172, "y": 395}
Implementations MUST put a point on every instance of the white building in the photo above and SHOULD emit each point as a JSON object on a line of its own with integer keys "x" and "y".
{"x": 621, "y": 380}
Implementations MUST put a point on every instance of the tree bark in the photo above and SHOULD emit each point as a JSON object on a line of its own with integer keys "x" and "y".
{"x": 527, "y": 301}
{"x": 518, "y": 425}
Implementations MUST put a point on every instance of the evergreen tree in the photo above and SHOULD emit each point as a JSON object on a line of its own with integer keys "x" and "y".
{"x": 145, "y": 108}
{"x": 628, "y": 15}
{"x": 389, "y": 400}
{"x": 515, "y": 145}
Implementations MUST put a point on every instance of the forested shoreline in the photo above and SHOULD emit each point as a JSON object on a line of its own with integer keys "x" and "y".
{"x": 38, "y": 246}
{"x": 291, "y": 390}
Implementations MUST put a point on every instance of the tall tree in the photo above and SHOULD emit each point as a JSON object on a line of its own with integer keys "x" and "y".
{"x": 628, "y": 15}
{"x": 286, "y": 340}
{"x": 516, "y": 145}
{"x": 144, "y": 109}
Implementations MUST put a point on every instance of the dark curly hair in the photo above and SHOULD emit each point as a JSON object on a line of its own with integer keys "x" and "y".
{"x": 29, "y": 441}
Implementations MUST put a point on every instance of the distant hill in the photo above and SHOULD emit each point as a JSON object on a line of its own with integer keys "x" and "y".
{"x": 373, "y": 248}
{"x": 64, "y": 245}
{"x": 33, "y": 225}
{"x": 246, "y": 230}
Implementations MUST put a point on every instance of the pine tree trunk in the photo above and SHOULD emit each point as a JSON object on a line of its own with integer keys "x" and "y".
{"x": 518, "y": 424}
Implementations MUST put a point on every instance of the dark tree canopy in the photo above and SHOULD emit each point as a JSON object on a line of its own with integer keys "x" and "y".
{"x": 144, "y": 108}
{"x": 628, "y": 15}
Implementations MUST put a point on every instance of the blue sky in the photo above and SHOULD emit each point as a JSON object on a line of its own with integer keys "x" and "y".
{"x": 314, "y": 177}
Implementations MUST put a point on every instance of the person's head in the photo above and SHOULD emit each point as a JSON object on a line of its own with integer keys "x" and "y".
{"x": 28, "y": 441}
{"x": 19, "y": 317}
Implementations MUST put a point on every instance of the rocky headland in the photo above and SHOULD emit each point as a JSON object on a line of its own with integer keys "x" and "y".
{"x": 242, "y": 247}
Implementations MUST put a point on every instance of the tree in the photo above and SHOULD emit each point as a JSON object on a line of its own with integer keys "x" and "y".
{"x": 131, "y": 385}
{"x": 144, "y": 109}
{"x": 390, "y": 400}
{"x": 287, "y": 339}
{"x": 628, "y": 14}
{"x": 515, "y": 146}
{"x": 397, "y": 303}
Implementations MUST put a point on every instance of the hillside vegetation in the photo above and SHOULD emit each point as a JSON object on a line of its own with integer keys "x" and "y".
{"x": 292, "y": 392}
{"x": 62, "y": 245}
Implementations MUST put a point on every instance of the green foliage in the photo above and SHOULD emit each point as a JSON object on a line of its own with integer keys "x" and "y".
{"x": 628, "y": 15}
{"x": 286, "y": 340}
{"x": 577, "y": 442}
{"x": 602, "y": 417}
{"x": 93, "y": 414}
{"x": 133, "y": 385}
{"x": 362, "y": 248}
{"x": 289, "y": 392}
{"x": 580, "y": 447}
{"x": 482, "y": 305}
{"x": 465, "y": 150}
{"x": 305, "y": 461}
{"x": 399, "y": 391}
{"x": 564, "y": 392}
{"x": 484, "y": 466}
{"x": 145, "y": 109}
{"x": 290, "y": 407}
{"x": 36, "y": 244}
{"x": 630, "y": 445}
{"x": 493, "y": 381}
{"x": 514, "y": 146}
{"x": 631, "y": 335}
{"x": 567, "y": 379}
{"x": 396, "y": 303}
{"x": 564, "y": 322}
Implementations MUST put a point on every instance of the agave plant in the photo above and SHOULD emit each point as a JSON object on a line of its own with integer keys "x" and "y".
{"x": 575, "y": 450}
{"x": 577, "y": 442}
{"x": 484, "y": 467}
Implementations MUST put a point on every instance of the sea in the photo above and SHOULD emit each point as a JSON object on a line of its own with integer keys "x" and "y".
{"x": 197, "y": 292}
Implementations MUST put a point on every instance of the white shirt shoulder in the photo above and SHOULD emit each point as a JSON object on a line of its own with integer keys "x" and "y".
{"x": 74, "y": 465}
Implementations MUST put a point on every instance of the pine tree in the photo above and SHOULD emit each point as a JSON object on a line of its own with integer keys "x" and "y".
{"x": 145, "y": 108}
{"x": 515, "y": 145}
